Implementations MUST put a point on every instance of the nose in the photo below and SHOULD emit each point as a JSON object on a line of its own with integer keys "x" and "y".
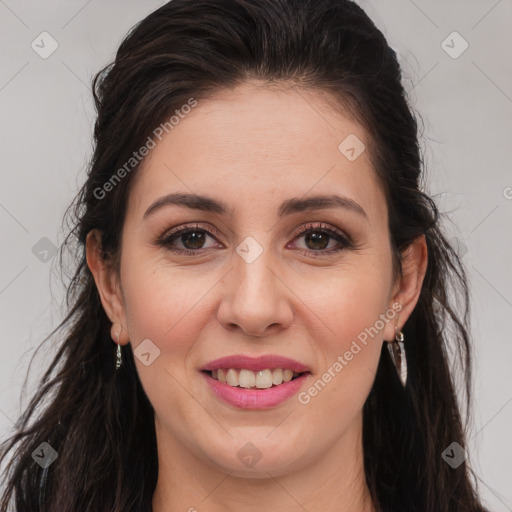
{"x": 256, "y": 300}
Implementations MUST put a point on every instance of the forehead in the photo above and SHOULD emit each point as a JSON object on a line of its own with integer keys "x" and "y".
{"x": 254, "y": 145}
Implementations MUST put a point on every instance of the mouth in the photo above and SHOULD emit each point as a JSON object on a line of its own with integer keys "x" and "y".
{"x": 249, "y": 379}
{"x": 262, "y": 382}
{"x": 260, "y": 389}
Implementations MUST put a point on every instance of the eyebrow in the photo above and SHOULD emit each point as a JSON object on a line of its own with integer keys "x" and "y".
{"x": 288, "y": 207}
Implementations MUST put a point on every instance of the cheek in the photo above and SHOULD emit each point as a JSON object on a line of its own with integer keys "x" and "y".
{"x": 349, "y": 306}
{"x": 348, "y": 325}
{"x": 167, "y": 306}
{"x": 162, "y": 303}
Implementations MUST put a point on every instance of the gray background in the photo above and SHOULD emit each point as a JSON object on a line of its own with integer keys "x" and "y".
{"x": 466, "y": 105}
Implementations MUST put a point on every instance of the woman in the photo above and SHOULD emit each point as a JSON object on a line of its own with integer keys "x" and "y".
{"x": 261, "y": 310}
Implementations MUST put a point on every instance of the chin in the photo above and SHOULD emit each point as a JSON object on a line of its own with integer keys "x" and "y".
{"x": 256, "y": 456}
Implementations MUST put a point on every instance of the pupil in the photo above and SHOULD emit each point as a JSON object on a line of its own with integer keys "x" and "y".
{"x": 197, "y": 238}
{"x": 321, "y": 238}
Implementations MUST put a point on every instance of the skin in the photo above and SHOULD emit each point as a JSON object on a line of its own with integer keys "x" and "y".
{"x": 254, "y": 147}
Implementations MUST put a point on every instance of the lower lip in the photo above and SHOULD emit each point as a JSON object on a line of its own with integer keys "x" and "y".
{"x": 255, "y": 398}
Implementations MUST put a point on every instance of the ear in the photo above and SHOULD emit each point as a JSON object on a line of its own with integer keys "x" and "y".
{"x": 407, "y": 289}
{"x": 108, "y": 285}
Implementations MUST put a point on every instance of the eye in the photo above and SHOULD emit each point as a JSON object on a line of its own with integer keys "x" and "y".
{"x": 192, "y": 238}
{"x": 317, "y": 238}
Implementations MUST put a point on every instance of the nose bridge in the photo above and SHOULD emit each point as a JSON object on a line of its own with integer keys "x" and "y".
{"x": 253, "y": 264}
{"x": 255, "y": 298}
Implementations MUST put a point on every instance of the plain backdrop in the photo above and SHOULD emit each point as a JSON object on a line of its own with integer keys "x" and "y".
{"x": 456, "y": 58}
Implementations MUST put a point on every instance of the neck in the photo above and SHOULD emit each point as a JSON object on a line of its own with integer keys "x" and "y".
{"x": 335, "y": 480}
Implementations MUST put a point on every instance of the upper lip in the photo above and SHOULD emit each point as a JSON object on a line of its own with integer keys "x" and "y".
{"x": 270, "y": 361}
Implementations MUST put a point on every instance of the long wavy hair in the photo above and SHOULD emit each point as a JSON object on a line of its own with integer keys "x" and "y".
{"x": 99, "y": 421}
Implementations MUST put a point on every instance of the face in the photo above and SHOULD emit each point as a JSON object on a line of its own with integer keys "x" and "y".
{"x": 275, "y": 275}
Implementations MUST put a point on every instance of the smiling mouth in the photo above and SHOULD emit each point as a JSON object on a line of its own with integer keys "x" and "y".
{"x": 248, "y": 379}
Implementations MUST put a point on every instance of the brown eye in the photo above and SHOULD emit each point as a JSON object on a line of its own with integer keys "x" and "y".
{"x": 317, "y": 239}
{"x": 189, "y": 240}
{"x": 193, "y": 239}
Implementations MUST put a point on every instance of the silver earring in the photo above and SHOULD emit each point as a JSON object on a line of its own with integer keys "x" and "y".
{"x": 119, "y": 359}
{"x": 396, "y": 350}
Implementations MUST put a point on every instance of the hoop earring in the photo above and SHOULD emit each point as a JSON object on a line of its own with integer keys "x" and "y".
{"x": 396, "y": 350}
{"x": 119, "y": 359}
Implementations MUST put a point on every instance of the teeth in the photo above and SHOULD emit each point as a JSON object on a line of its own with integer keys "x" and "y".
{"x": 287, "y": 376}
{"x": 247, "y": 379}
{"x": 232, "y": 377}
{"x": 277, "y": 376}
{"x": 263, "y": 379}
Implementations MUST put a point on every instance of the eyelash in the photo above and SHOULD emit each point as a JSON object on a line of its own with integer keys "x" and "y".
{"x": 342, "y": 239}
